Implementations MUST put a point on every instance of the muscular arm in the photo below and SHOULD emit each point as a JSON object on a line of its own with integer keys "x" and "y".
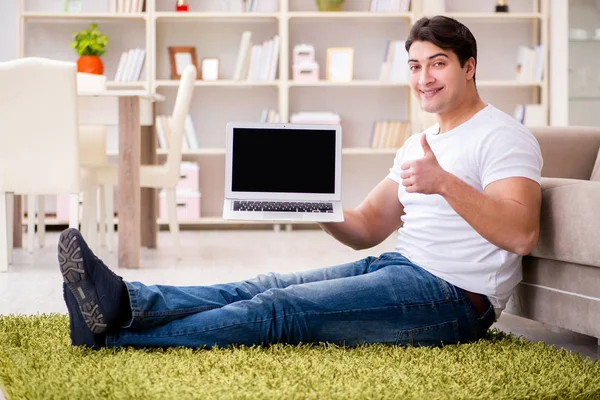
{"x": 507, "y": 214}
{"x": 372, "y": 221}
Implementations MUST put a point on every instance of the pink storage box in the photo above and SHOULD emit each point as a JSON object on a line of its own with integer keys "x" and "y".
{"x": 188, "y": 177}
{"x": 62, "y": 207}
{"x": 306, "y": 72}
{"x": 188, "y": 205}
{"x": 303, "y": 53}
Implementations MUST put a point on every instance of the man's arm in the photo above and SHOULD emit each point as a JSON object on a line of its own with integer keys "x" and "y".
{"x": 372, "y": 221}
{"x": 507, "y": 214}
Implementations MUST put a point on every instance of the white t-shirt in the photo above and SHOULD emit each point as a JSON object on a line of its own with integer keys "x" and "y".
{"x": 490, "y": 146}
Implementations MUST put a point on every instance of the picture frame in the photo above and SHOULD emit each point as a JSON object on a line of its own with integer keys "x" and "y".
{"x": 210, "y": 69}
{"x": 340, "y": 64}
{"x": 180, "y": 57}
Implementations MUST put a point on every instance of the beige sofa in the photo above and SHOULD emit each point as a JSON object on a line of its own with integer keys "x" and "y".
{"x": 561, "y": 277}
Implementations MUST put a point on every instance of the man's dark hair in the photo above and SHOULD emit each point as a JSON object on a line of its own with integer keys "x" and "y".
{"x": 446, "y": 33}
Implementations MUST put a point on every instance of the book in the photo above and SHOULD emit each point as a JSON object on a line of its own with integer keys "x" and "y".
{"x": 245, "y": 45}
{"x": 190, "y": 133}
{"x": 130, "y": 65}
{"x": 387, "y": 134}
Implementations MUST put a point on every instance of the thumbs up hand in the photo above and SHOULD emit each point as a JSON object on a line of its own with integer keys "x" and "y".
{"x": 423, "y": 175}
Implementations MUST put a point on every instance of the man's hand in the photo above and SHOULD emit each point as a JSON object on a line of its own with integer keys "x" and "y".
{"x": 424, "y": 175}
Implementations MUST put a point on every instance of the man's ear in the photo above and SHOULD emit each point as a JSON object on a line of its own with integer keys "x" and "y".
{"x": 470, "y": 68}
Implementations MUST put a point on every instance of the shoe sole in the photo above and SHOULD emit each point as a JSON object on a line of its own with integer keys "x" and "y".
{"x": 74, "y": 275}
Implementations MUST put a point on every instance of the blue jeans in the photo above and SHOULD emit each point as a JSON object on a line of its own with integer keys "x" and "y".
{"x": 384, "y": 299}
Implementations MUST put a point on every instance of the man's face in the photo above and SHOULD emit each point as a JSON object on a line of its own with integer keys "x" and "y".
{"x": 436, "y": 77}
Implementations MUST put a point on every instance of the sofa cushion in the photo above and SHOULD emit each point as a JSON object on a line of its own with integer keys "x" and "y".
{"x": 568, "y": 152}
{"x": 570, "y": 220}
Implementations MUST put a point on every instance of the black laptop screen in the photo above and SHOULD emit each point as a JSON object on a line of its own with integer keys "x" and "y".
{"x": 283, "y": 161}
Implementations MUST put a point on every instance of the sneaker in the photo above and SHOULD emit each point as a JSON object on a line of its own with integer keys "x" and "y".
{"x": 79, "y": 331}
{"x": 96, "y": 289}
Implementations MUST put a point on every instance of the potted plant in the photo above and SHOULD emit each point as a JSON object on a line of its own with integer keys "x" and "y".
{"x": 330, "y": 5}
{"x": 90, "y": 44}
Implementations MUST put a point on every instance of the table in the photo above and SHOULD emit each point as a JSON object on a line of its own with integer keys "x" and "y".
{"x": 101, "y": 108}
{"x": 130, "y": 150}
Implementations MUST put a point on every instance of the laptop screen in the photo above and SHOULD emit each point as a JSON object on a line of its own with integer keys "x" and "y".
{"x": 283, "y": 160}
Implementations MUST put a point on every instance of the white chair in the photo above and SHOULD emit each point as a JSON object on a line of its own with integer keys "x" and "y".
{"x": 39, "y": 151}
{"x": 92, "y": 153}
{"x": 160, "y": 176}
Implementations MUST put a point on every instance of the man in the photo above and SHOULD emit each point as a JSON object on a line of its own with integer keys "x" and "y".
{"x": 464, "y": 197}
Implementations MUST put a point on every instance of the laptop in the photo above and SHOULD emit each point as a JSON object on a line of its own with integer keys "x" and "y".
{"x": 283, "y": 172}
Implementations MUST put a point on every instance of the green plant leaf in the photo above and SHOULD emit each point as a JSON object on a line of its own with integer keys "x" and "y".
{"x": 90, "y": 42}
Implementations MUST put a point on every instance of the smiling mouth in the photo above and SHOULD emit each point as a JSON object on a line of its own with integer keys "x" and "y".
{"x": 430, "y": 92}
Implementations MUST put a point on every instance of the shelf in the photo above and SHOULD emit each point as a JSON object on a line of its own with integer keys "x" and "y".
{"x": 35, "y": 16}
{"x": 507, "y": 83}
{"x": 193, "y": 152}
{"x": 218, "y": 222}
{"x": 355, "y": 83}
{"x": 223, "y": 82}
{"x": 367, "y": 151}
{"x": 197, "y": 152}
{"x": 221, "y": 151}
{"x": 376, "y": 83}
{"x": 138, "y": 84}
{"x": 592, "y": 40}
{"x": 495, "y": 16}
{"x": 320, "y": 83}
{"x": 197, "y": 16}
{"x": 584, "y": 98}
{"x": 348, "y": 14}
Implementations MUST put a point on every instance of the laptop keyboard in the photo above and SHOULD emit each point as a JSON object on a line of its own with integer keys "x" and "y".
{"x": 287, "y": 206}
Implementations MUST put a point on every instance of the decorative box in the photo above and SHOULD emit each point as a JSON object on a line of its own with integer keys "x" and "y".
{"x": 188, "y": 205}
{"x": 62, "y": 207}
{"x": 303, "y": 53}
{"x": 307, "y": 72}
{"x": 188, "y": 177}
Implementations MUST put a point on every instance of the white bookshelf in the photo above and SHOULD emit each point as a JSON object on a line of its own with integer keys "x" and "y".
{"x": 220, "y": 82}
{"x": 200, "y": 16}
{"x": 44, "y": 30}
{"x": 349, "y": 14}
{"x": 496, "y": 16}
{"x": 354, "y": 83}
{"x": 62, "y": 16}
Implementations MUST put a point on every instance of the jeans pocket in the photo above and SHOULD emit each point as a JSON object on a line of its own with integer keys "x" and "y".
{"x": 432, "y": 335}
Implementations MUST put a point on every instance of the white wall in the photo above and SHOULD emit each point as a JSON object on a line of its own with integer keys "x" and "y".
{"x": 8, "y": 29}
{"x": 584, "y": 59}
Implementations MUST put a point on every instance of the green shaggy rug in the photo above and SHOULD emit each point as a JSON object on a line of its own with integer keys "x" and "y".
{"x": 37, "y": 362}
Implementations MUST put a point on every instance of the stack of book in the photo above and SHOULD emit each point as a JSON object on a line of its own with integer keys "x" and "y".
{"x": 389, "y": 5}
{"x": 389, "y": 134}
{"x": 130, "y": 65}
{"x": 270, "y": 115}
{"x": 530, "y": 63}
{"x": 257, "y": 62}
{"x": 163, "y": 133}
{"x": 126, "y": 6}
{"x": 394, "y": 67}
{"x": 315, "y": 118}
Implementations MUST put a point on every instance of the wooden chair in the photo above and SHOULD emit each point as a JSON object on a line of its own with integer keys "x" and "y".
{"x": 161, "y": 176}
